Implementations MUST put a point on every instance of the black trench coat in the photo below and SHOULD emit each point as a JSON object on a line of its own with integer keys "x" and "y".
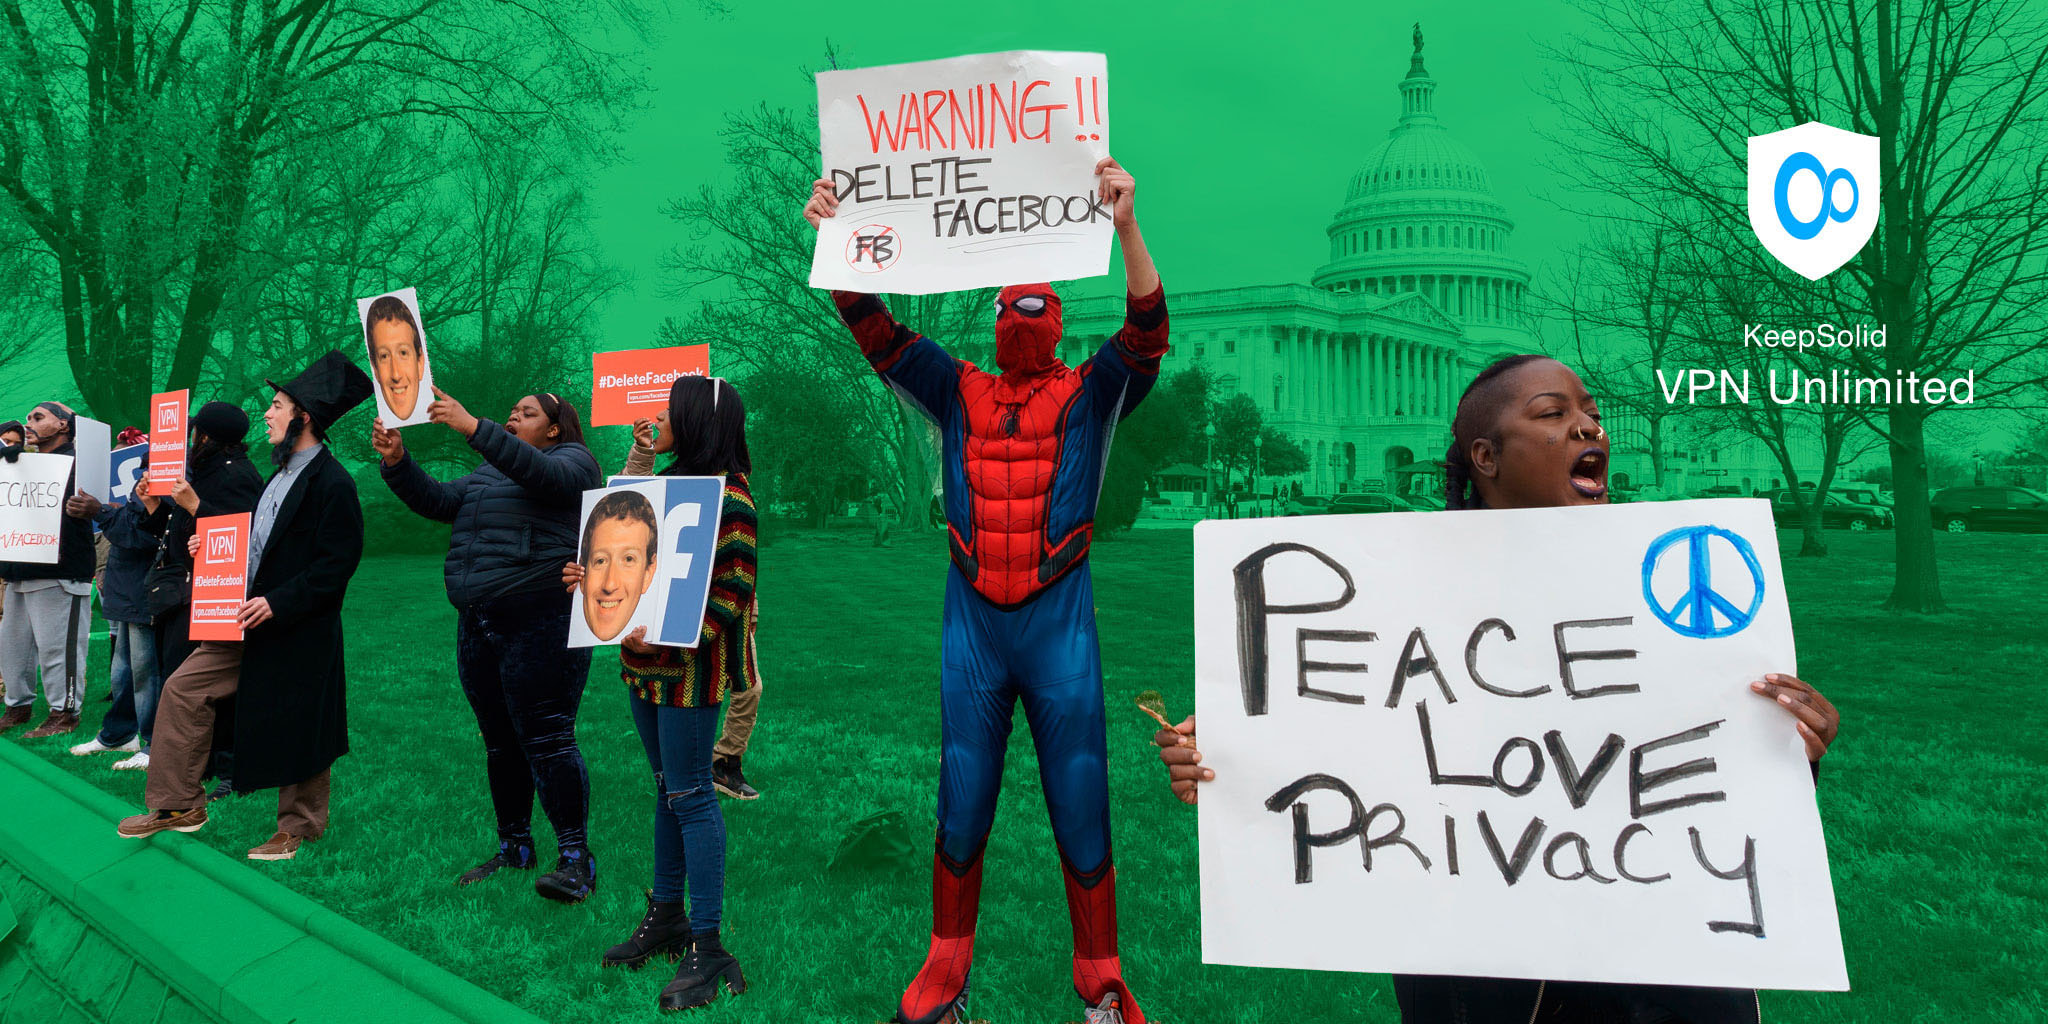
{"x": 291, "y": 713}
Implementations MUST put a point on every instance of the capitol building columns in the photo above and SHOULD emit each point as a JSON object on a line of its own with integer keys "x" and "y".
{"x": 1362, "y": 365}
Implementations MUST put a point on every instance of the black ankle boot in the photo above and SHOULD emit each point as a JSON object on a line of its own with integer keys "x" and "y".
{"x": 664, "y": 930}
{"x": 510, "y": 855}
{"x": 574, "y": 876}
{"x": 706, "y": 967}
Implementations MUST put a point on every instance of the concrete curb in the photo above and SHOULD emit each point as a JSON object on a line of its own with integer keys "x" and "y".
{"x": 238, "y": 947}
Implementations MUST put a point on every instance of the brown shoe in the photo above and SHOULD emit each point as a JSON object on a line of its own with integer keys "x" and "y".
{"x": 142, "y": 826}
{"x": 281, "y": 846}
{"x": 15, "y": 716}
{"x": 57, "y": 724}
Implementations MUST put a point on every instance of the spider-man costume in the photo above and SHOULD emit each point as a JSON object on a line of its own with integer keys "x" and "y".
{"x": 1024, "y": 454}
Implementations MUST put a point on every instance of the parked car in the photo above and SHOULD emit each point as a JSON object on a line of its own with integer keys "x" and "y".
{"x": 1721, "y": 491}
{"x": 1963, "y": 509}
{"x": 1307, "y": 505}
{"x": 1836, "y": 513}
{"x": 1352, "y": 504}
{"x": 1863, "y": 496}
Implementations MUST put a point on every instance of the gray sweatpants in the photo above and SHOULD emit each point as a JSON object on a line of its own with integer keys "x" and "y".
{"x": 45, "y": 628}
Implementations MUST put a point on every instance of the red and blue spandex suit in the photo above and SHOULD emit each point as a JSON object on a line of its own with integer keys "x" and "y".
{"x": 1024, "y": 454}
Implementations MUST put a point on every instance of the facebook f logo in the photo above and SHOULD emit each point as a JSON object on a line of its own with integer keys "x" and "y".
{"x": 873, "y": 248}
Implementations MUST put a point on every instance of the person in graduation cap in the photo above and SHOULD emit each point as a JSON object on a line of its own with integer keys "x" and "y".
{"x": 286, "y": 674}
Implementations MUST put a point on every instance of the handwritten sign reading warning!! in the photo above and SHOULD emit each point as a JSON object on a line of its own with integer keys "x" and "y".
{"x": 964, "y": 173}
{"x": 1507, "y": 743}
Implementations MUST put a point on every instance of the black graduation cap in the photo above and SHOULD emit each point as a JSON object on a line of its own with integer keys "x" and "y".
{"x": 328, "y": 389}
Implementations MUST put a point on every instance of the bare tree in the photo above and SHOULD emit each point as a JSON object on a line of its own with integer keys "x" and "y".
{"x": 140, "y": 141}
{"x": 1621, "y": 306}
{"x": 1662, "y": 97}
{"x": 749, "y": 266}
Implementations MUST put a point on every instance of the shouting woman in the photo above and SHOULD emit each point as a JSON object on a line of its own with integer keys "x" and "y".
{"x": 1527, "y": 434}
{"x": 514, "y": 522}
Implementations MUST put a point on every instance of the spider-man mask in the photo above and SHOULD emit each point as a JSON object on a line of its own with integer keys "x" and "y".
{"x": 1027, "y": 329}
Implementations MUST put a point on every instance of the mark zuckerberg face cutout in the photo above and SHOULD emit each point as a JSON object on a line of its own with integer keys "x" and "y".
{"x": 395, "y": 359}
{"x": 617, "y": 573}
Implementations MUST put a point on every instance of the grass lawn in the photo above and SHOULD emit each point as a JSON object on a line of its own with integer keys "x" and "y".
{"x": 1931, "y": 799}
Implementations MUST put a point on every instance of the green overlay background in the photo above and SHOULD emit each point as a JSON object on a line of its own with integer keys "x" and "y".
{"x": 192, "y": 195}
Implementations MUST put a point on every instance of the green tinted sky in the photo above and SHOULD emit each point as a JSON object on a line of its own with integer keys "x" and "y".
{"x": 1243, "y": 125}
{"x": 1243, "y": 129}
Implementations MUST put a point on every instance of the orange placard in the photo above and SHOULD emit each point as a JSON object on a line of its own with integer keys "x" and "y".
{"x": 220, "y": 576}
{"x": 167, "y": 438}
{"x": 633, "y": 385}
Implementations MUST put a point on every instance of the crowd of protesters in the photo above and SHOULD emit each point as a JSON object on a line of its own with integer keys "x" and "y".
{"x": 269, "y": 711}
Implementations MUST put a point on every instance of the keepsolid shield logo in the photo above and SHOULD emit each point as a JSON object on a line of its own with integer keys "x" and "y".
{"x": 1813, "y": 195}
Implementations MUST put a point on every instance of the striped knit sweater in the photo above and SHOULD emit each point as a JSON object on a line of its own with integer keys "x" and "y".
{"x": 701, "y": 676}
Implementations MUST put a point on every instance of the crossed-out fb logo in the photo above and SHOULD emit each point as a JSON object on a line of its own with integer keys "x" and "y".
{"x": 1813, "y": 195}
{"x": 220, "y": 545}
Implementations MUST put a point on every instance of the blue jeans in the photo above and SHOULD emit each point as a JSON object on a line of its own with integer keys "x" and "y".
{"x": 136, "y": 684}
{"x": 689, "y": 829}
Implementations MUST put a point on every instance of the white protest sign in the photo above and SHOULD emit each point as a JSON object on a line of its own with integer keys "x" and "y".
{"x": 622, "y": 560}
{"x": 32, "y": 492}
{"x": 1514, "y": 743}
{"x": 93, "y": 442}
{"x": 964, "y": 173}
{"x": 397, "y": 345}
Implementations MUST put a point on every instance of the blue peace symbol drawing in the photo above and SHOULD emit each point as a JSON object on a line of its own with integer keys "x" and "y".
{"x": 1694, "y": 612}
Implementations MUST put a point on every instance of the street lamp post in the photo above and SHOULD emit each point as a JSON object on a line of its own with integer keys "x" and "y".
{"x": 1258, "y": 466}
{"x": 1209, "y": 472}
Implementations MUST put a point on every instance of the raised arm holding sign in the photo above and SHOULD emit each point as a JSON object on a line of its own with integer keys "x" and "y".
{"x": 1019, "y": 620}
{"x": 964, "y": 173}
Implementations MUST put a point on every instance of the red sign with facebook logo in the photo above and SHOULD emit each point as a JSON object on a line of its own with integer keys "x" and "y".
{"x": 220, "y": 576}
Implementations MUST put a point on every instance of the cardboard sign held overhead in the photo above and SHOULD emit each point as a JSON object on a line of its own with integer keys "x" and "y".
{"x": 220, "y": 576}
{"x": 167, "y": 439}
{"x": 964, "y": 173}
{"x": 1552, "y": 767}
{"x": 396, "y": 341}
{"x": 634, "y": 385}
{"x": 32, "y": 492}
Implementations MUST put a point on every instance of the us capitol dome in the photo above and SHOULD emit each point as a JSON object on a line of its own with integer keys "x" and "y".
{"x": 1363, "y": 365}
{"x": 1421, "y": 216}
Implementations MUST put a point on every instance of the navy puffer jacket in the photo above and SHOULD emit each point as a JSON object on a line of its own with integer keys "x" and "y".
{"x": 514, "y": 517}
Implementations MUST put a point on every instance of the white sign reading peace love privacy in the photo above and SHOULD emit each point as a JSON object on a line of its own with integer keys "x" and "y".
{"x": 1507, "y": 743}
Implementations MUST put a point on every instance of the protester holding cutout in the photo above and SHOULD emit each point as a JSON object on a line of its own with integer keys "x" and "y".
{"x": 1527, "y": 434}
{"x": 47, "y": 620}
{"x": 742, "y": 706}
{"x": 1025, "y": 451}
{"x": 515, "y": 523}
{"x": 674, "y": 694}
{"x": 287, "y": 674}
